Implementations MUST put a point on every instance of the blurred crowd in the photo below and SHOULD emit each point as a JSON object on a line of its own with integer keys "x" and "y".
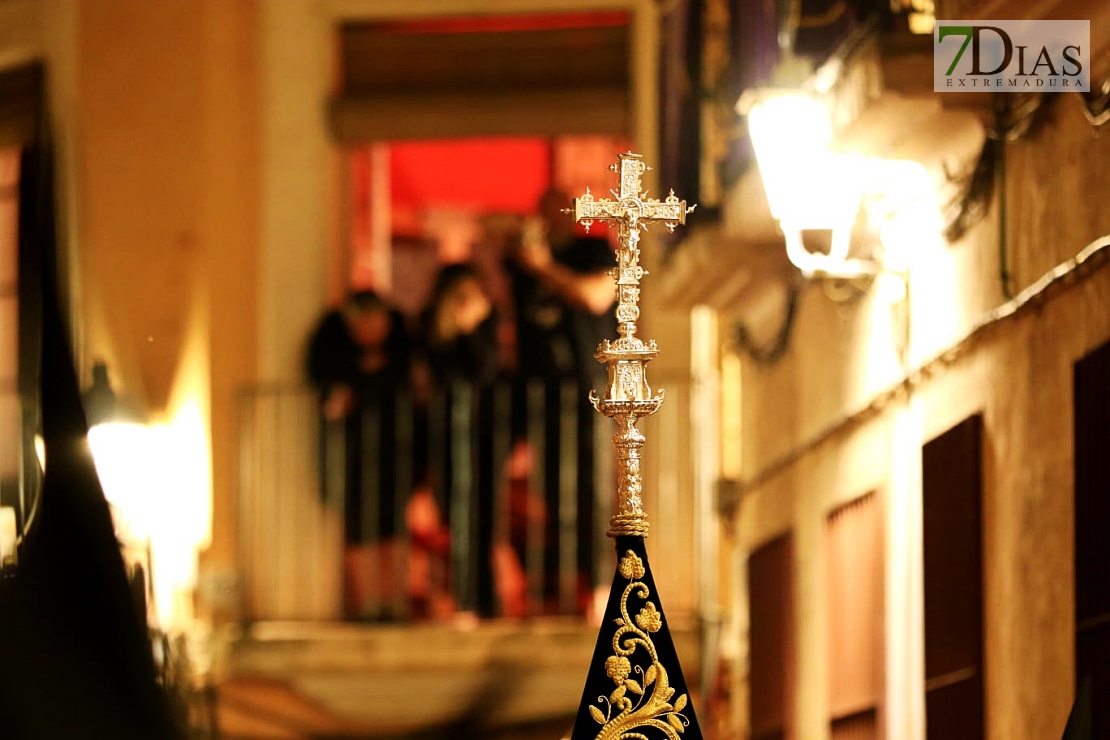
{"x": 377, "y": 370}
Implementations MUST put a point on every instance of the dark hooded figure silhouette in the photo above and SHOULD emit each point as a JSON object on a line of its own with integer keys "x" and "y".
{"x": 75, "y": 660}
{"x": 1081, "y": 720}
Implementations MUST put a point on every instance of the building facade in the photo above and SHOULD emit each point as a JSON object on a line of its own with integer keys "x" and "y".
{"x": 911, "y": 546}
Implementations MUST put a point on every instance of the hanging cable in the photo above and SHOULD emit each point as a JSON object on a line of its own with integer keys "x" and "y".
{"x": 768, "y": 355}
{"x": 1096, "y": 105}
{"x": 1011, "y": 121}
{"x": 999, "y": 145}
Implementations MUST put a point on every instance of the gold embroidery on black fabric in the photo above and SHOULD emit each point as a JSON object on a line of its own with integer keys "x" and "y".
{"x": 642, "y": 697}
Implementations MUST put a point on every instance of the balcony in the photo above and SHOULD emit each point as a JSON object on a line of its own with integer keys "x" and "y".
{"x": 426, "y": 650}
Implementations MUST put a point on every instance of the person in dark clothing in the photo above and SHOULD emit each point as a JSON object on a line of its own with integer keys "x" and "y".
{"x": 460, "y": 329}
{"x": 564, "y": 298}
{"x": 359, "y": 360}
{"x": 356, "y": 349}
{"x": 460, "y": 345}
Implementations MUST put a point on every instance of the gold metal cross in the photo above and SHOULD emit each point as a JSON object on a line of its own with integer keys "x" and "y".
{"x": 632, "y": 211}
{"x": 628, "y": 397}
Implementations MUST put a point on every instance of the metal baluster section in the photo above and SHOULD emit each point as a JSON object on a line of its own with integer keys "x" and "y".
{"x": 248, "y": 504}
{"x": 306, "y": 537}
{"x": 477, "y": 554}
{"x": 535, "y": 544}
{"x": 437, "y": 460}
{"x": 501, "y": 398}
{"x": 280, "y": 513}
{"x": 462, "y": 495}
{"x": 289, "y": 507}
{"x": 501, "y": 413}
{"x": 335, "y": 488}
{"x": 369, "y": 495}
{"x": 325, "y": 569}
{"x": 438, "y": 419}
{"x": 568, "y": 497}
{"x": 404, "y": 414}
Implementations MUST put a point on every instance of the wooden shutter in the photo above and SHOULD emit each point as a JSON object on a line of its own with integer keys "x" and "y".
{"x": 854, "y": 558}
{"x": 1092, "y": 530}
{"x": 952, "y": 493}
{"x": 771, "y": 677}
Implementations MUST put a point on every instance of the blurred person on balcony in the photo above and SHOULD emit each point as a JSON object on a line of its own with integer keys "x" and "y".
{"x": 459, "y": 345}
{"x": 564, "y": 296}
{"x": 359, "y": 361}
{"x": 564, "y": 299}
{"x": 460, "y": 341}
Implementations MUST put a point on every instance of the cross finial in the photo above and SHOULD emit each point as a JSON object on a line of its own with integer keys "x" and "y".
{"x": 632, "y": 211}
{"x": 628, "y": 396}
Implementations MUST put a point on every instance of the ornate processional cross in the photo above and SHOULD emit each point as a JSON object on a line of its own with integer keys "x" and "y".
{"x": 628, "y": 395}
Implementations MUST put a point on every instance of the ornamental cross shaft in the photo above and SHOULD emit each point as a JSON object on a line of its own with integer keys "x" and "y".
{"x": 628, "y": 395}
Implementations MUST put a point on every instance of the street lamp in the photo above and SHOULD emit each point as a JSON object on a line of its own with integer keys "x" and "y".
{"x": 810, "y": 188}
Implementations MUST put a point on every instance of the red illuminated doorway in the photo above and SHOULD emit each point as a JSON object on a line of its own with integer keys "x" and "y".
{"x": 418, "y": 204}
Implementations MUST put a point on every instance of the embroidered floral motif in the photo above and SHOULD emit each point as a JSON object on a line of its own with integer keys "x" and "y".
{"x": 617, "y": 668}
{"x": 631, "y": 566}
{"x": 649, "y": 619}
{"x": 642, "y": 698}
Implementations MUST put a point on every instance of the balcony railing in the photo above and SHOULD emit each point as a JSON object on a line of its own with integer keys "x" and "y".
{"x": 474, "y": 500}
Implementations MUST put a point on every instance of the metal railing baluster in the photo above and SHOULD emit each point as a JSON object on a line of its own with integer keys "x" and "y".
{"x": 568, "y": 496}
{"x": 404, "y": 456}
{"x": 470, "y": 435}
{"x": 535, "y": 529}
{"x": 461, "y": 486}
{"x": 369, "y": 493}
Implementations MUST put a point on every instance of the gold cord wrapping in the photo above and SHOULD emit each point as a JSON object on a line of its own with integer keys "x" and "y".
{"x": 628, "y": 525}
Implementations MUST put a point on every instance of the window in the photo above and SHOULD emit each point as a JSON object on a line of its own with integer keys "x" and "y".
{"x": 771, "y": 677}
{"x": 952, "y": 493}
{"x": 854, "y": 557}
{"x": 1092, "y": 529}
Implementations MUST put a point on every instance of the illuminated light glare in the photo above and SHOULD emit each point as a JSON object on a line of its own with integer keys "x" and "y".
{"x": 811, "y": 187}
{"x": 808, "y": 186}
{"x": 156, "y": 479}
{"x": 790, "y": 134}
{"x": 126, "y": 462}
{"x": 827, "y": 75}
{"x": 905, "y": 204}
{"x": 921, "y": 24}
{"x": 7, "y": 534}
{"x": 891, "y": 288}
